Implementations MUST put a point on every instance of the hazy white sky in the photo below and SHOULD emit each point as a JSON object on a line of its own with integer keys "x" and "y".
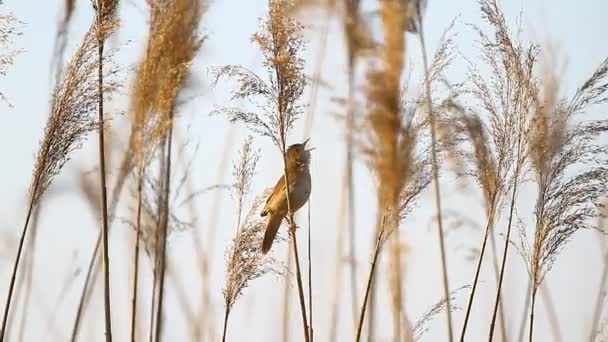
{"x": 68, "y": 229}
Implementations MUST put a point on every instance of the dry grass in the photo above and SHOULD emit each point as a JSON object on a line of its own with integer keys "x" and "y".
{"x": 245, "y": 261}
{"x": 507, "y": 127}
{"x": 558, "y": 145}
{"x": 392, "y": 140}
{"x": 73, "y": 102}
{"x": 173, "y": 28}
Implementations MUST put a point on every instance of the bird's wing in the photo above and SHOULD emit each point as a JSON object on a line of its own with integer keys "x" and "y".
{"x": 277, "y": 191}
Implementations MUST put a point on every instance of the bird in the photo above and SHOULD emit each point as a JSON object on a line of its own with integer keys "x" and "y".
{"x": 300, "y": 184}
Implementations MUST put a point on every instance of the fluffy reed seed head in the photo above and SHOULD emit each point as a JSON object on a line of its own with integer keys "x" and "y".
{"x": 244, "y": 170}
{"x": 244, "y": 259}
{"x": 172, "y": 44}
{"x": 74, "y": 102}
{"x": 391, "y": 140}
{"x": 568, "y": 162}
{"x": 281, "y": 43}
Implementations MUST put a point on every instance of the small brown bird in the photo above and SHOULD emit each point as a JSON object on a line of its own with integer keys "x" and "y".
{"x": 298, "y": 174}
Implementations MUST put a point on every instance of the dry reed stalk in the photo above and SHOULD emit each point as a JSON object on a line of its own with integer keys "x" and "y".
{"x": 152, "y": 211}
{"x": 355, "y": 39}
{"x": 29, "y": 276}
{"x": 280, "y": 40}
{"x": 550, "y": 310}
{"x": 61, "y": 38}
{"x": 370, "y": 278}
{"x": 506, "y": 98}
{"x": 205, "y": 255}
{"x": 491, "y": 159}
{"x": 558, "y": 144}
{"x": 91, "y": 194}
{"x": 311, "y": 328}
{"x": 412, "y": 167}
{"x": 73, "y": 101}
{"x": 286, "y": 299}
{"x": 599, "y": 302}
{"x": 390, "y": 150}
{"x": 433, "y": 128}
{"x": 309, "y": 118}
{"x": 126, "y": 166}
{"x": 105, "y": 23}
{"x": 173, "y": 28}
{"x": 338, "y": 268}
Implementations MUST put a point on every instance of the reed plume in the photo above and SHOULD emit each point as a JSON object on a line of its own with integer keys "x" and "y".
{"x": 490, "y": 164}
{"x": 71, "y": 120}
{"x": 390, "y": 148}
{"x": 567, "y": 161}
{"x": 420, "y": 328}
{"x": 507, "y": 98}
{"x": 8, "y": 32}
{"x": 492, "y": 142}
{"x": 244, "y": 259}
{"x": 173, "y": 29}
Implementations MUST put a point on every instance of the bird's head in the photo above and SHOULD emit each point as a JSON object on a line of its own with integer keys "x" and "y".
{"x": 298, "y": 155}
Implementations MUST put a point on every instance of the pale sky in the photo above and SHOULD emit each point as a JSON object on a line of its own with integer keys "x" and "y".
{"x": 68, "y": 228}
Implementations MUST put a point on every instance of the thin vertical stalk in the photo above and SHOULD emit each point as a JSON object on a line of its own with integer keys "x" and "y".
{"x": 30, "y": 274}
{"x": 89, "y": 279}
{"x": 368, "y": 287}
{"x": 136, "y": 258}
{"x": 156, "y": 269}
{"x": 292, "y": 232}
{"x": 524, "y": 314}
{"x": 104, "y": 199}
{"x": 532, "y": 313}
{"x": 477, "y": 270}
{"x": 396, "y": 284}
{"x": 599, "y": 302}
{"x": 371, "y": 321}
{"x": 286, "y": 301}
{"x": 333, "y": 330}
{"x": 429, "y": 108}
{"x": 164, "y": 229}
{"x": 92, "y": 270}
{"x": 506, "y": 246}
{"x": 349, "y": 187}
{"x": 310, "y": 278}
{"x": 226, "y": 315}
{"x": 503, "y": 325}
{"x": 153, "y": 301}
{"x": 16, "y": 264}
{"x": 552, "y": 315}
{"x": 299, "y": 280}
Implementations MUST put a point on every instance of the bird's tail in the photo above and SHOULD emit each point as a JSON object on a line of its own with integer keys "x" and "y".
{"x": 272, "y": 227}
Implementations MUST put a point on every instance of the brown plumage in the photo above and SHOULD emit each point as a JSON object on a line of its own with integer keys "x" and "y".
{"x": 298, "y": 174}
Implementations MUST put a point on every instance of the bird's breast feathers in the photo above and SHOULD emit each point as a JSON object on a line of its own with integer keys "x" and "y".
{"x": 299, "y": 191}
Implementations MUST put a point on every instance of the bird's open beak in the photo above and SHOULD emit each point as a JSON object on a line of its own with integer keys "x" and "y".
{"x": 305, "y": 142}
